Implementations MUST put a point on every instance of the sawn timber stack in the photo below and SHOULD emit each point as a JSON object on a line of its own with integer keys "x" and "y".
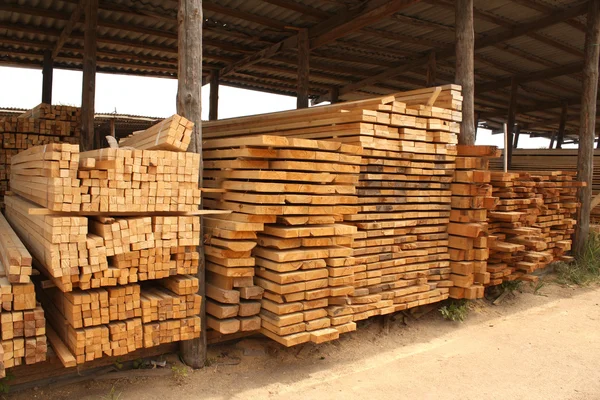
{"x": 115, "y": 233}
{"x": 298, "y": 190}
{"x": 400, "y": 248}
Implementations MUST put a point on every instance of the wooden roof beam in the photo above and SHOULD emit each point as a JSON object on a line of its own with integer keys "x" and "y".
{"x": 300, "y": 8}
{"x": 534, "y": 5}
{"x": 503, "y": 22}
{"x": 243, "y": 15}
{"x": 493, "y": 37}
{"x": 329, "y": 30}
{"x": 530, "y": 77}
{"x": 66, "y": 32}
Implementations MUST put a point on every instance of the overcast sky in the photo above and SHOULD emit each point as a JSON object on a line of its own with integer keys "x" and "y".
{"x": 155, "y": 97}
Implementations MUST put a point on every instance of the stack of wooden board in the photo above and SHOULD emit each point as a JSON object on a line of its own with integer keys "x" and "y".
{"x": 447, "y": 96}
{"x": 532, "y": 224}
{"x": 119, "y": 317}
{"x": 22, "y": 322}
{"x": 468, "y": 242}
{"x": 293, "y": 192}
{"x": 59, "y": 178}
{"x": 551, "y": 160}
{"x": 401, "y": 248}
{"x": 131, "y": 216}
{"x": 401, "y": 245}
{"x": 172, "y": 133}
{"x": 125, "y": 181}
{"x": 47, "y": 175}
{"x": 44, "y": 124}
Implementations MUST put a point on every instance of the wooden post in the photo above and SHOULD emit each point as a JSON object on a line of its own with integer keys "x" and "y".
{"x": 431, "y": 70}
{"x": 552, "y": 138}
{"x": 506, "y": 147}
{"x": 189, "y": 105}
{"x": 512, "y": 112}
{"x": 303, "y": 68}
{"x": 113, "y": 132}
{"x": 334, "y": 95}
{"x": 465, "y": 75}
{"x": 213, "y": 104}
{"x": 47, "y": 72}
{"x": 478, "y": 117}
{"x": 87, "y": 139}
{"x": 517, "y": 134}
{"x": 561, "y": 126}
{"x": 587, "y": 125}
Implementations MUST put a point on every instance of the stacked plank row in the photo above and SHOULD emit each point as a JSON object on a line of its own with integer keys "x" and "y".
{"x": 22, "y": 321}
{"x": 471, "y": 198}
{"x": 44, "y": 124}
{"x": 115, "y": 232}
{"x": 400, "y": 247}
{"x": 537, "y": 160}
{"x": 296, "y": 191}
{"x": 404, "y": 196}
{"x": 61, "y": 179}
{"x": 533, "y": 222}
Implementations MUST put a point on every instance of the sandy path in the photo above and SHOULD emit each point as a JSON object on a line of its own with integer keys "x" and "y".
{"x": 531, "y": 347}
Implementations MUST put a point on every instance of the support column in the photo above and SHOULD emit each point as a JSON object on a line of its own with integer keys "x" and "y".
{"x": 189, "y": 105}
{"x": 112, "y": 128}
{"x": 517, "y": 134}
{"x": 561, "y": 126}
{"x": 587, "y": 125}
{"x": 552, "y": 138}
{"x": 303, "y": 68}
{"x": 334, "y": 95}
{"x": 477, "y": 118}
{"x": 213, "y": 106}
{"x": 47, "y": 72}
{"x": 465, "y": 44}
{"x": 512, "y": 112}
{"x": 87, "y": 139}
{"x": 431, "y": 70}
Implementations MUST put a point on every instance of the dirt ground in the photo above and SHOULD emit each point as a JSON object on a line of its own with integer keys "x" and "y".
{"x": 532, "y": 346}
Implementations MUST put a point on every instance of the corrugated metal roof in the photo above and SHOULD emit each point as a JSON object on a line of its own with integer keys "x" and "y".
{"x": 140, "y": 37}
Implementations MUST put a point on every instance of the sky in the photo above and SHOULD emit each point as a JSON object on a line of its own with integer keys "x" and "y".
{"x": 155, "y": 97}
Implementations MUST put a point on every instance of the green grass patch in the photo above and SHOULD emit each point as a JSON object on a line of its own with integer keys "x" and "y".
{"x": 585, "y": 270}
{"x": 456, "y": 311}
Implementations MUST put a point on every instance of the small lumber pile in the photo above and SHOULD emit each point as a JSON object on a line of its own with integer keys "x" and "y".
{"x": 172, "y": 134}
{"x": 468, "y": 228}
{"x": 44, "y": 124}
{"x": 115, "y": 233}
{"x": 552, "y": 160}
{"x": 22, "y": 321}
{"x": 448, "y": 97}
{"x": 288, "y": 196}
{"x": 532, "y": 224}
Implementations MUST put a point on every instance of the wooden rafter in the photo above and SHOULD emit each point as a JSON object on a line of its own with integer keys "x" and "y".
{"x": 493, "y": 37}
{"x": 66, "y": 32}
{"x": 329, "y": 30}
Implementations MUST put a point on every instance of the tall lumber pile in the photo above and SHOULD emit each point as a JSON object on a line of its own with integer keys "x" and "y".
{"x": 471, "y": 198}
{"x": 532, "y": 223}
{"x": 400, "y": 248}
{"x": 41, "y": 125}
{"x": 293, "y": 192}
{"x": 115, "y": 233}
{"x": 22, "y": 321}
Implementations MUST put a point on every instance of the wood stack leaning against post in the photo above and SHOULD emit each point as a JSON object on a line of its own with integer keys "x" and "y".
{"x": 115, "y": 234}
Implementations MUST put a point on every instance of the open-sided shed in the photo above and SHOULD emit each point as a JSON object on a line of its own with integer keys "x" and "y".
{"x": 532, "y": 63}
